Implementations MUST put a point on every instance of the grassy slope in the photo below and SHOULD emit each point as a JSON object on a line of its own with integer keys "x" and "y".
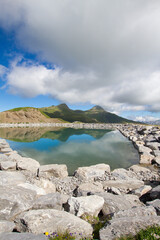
{"x": 94, "y": 115}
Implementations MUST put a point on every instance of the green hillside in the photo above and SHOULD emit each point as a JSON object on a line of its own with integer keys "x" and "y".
{"x": 95, "y": 115}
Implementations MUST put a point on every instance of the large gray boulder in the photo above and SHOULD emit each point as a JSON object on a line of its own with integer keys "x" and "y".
{"x": 123, "y": 174}
{"x": 6, "y": 226}
{"x": 156, "y": 204}
{"x": 143, "y": 173}
{"x": 46, "y": 184}
{"x": 123, "y": 185}
{"x": 126, "y": 226}
{"x": 53, "y": 170}
{"x": 11, "y": 178}
{"x": 51, "y": 220}
{"x": 114, "y": 203}
{"x": 146, "y": 158}
{"x": 39, "y": 191}
{"x": 90, "y": 205}
{"x": 86, "y": 189}
{"x": 93, "y": 172}
{"x": 8, "y": 165}
{"x": 51, "y": 200}
{"x": 21, "y": 236}
{"x": 14, "y": 200}
{"x": 155, "y": 193}
{"x": 28, "y": 164}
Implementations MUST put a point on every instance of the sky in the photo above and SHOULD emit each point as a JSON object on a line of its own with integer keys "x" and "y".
{"x": 82, "y": 53}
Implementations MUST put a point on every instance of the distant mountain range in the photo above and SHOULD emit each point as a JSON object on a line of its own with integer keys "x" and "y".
{"x": 60, "y": 113}
{"x": 156, "y": 122}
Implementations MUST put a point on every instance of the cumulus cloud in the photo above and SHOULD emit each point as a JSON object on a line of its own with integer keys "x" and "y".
{"x": 105, "y": 52}
{"x": 146, "y": 118}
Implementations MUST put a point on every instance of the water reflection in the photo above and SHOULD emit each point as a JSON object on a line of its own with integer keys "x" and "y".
{"x": 72, "y": 147}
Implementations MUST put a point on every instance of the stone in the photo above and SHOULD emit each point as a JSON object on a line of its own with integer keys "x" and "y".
{"x": 47, "y": 185}
{"x": 156, "y": 153}
{"x": 14, "y": 200}
{"x": 20, "y": 236}
{"x": 3, "y": 158}
{"x": 11, "y": 178}
{"x": 153, "y": 145}
{"x": 123, "y": 174}
{"x": 6, "y": 226}
{"x": 53, "y": 170}
{"x": 157, "y": 160}
{"x": 51, "y": 220}
{"x": 142, "y": 211}
{"x": 142, "y": 190}
{"x": 8, "y": 165}
{"x": 127, "y": 225}
{"x": 155, "y": 193}
{"x": 6, "y": 149}
{"x": 123, "y": 185}
{"x": 39, "y": 191}
{"x": 90, "y": 205}
{"x": 14, "y": 156}
{"x": 139, "y": 169}
{"x": 114, "y": 203}
{"x": 92, "y": 172}
{"x": 28, "y": 164}
{"x": 113, "y": 190}
{"x": 51, "y": 200}
{"x": 156, "y": 204}
{"x": 146, "y": 158}
{"x": 86, "y": 189}
{"x": 143, "y": 149}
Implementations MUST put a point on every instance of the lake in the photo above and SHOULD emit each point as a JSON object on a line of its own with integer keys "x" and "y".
{"x": 73, "y": 147}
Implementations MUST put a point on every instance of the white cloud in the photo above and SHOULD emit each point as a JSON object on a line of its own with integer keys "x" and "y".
{"x": 107, "y": 51}
{"x": 146, "y": 118}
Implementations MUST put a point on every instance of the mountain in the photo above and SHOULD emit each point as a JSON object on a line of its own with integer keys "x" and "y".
{"x": 95, "y": 115}
{"x": 60, "y": 113}
{"x": 156, "y": 122}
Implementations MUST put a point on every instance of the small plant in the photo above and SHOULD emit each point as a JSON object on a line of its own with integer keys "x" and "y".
{"x": 66, "y": 236}
{"x": 150, "y": 233}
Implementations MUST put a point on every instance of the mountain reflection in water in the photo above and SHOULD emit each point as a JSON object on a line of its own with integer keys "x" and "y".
{"x": 73, "y": 147}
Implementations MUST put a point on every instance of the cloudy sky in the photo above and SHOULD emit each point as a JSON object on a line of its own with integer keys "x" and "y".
{"x": 83, "y": 53}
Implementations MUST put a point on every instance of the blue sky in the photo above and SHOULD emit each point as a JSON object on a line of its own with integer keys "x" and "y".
{"x": 83, "y": 53}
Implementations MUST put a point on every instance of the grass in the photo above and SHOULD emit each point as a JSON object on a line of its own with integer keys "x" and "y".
{"x": 150, "y": 233}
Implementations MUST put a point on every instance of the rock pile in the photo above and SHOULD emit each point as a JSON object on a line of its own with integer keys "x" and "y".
{"x": 36, "y": 199}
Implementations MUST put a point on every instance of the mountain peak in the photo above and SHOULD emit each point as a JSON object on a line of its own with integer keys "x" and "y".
{"x": 63, "y": 106}
{"x": 97, "y": 108}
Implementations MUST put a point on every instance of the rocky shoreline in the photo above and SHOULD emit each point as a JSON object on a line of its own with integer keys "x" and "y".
{"x": 36, "y": 199}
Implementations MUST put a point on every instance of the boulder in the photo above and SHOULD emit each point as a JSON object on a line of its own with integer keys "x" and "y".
{"x": 53, "y": 170}
{"x": 6, "y": 226}
{"x": 3, "y": 158}
{"x": 90, "y": 205}
{"x": 153, "y": 145}
{"x": 8, "y": 165}
{"x": 51, "y": 220}
{"x": 20, "y": 236}
{"x": 51, "y": 200}
{"x": 114, "y": 203}
{"x": 142, "y": 190}
{"x": 123, "y": 174}
{"x": 142, "y": 211}
{"x": 155, "y": 193}
{"x": 47, "y": 185}
{"x": 11, "y": 178}
{"x": 39, "y": 191}
{"x": 143, "y": 173}
{"x": 123, "y": 185}
{"x": 156, "y": 204}
{"x": 28, "y": 164}
{"x": 142, "y": 149}
{"x": 86, "y": 189}
{"x": 127, "y": 225}
{"x": 14, "y": 200}
{"x": 146, "y": 158}
{"x": 93, "y": 172}
{"x": 6, "y": 150}
{"x": 157, "y": 160}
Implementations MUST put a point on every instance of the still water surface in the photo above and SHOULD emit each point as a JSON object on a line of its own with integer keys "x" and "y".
{"x": 73, "y": 147}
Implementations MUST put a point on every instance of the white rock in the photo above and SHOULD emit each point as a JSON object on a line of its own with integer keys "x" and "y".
{"x": 8, "y": 165}
{"x": 53, "y": 170}
{"x": 90, "y": 205}
{"x": 92, "y": 172}
{"x": 39, "y": 191}
{"x": 28, "y": 164}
